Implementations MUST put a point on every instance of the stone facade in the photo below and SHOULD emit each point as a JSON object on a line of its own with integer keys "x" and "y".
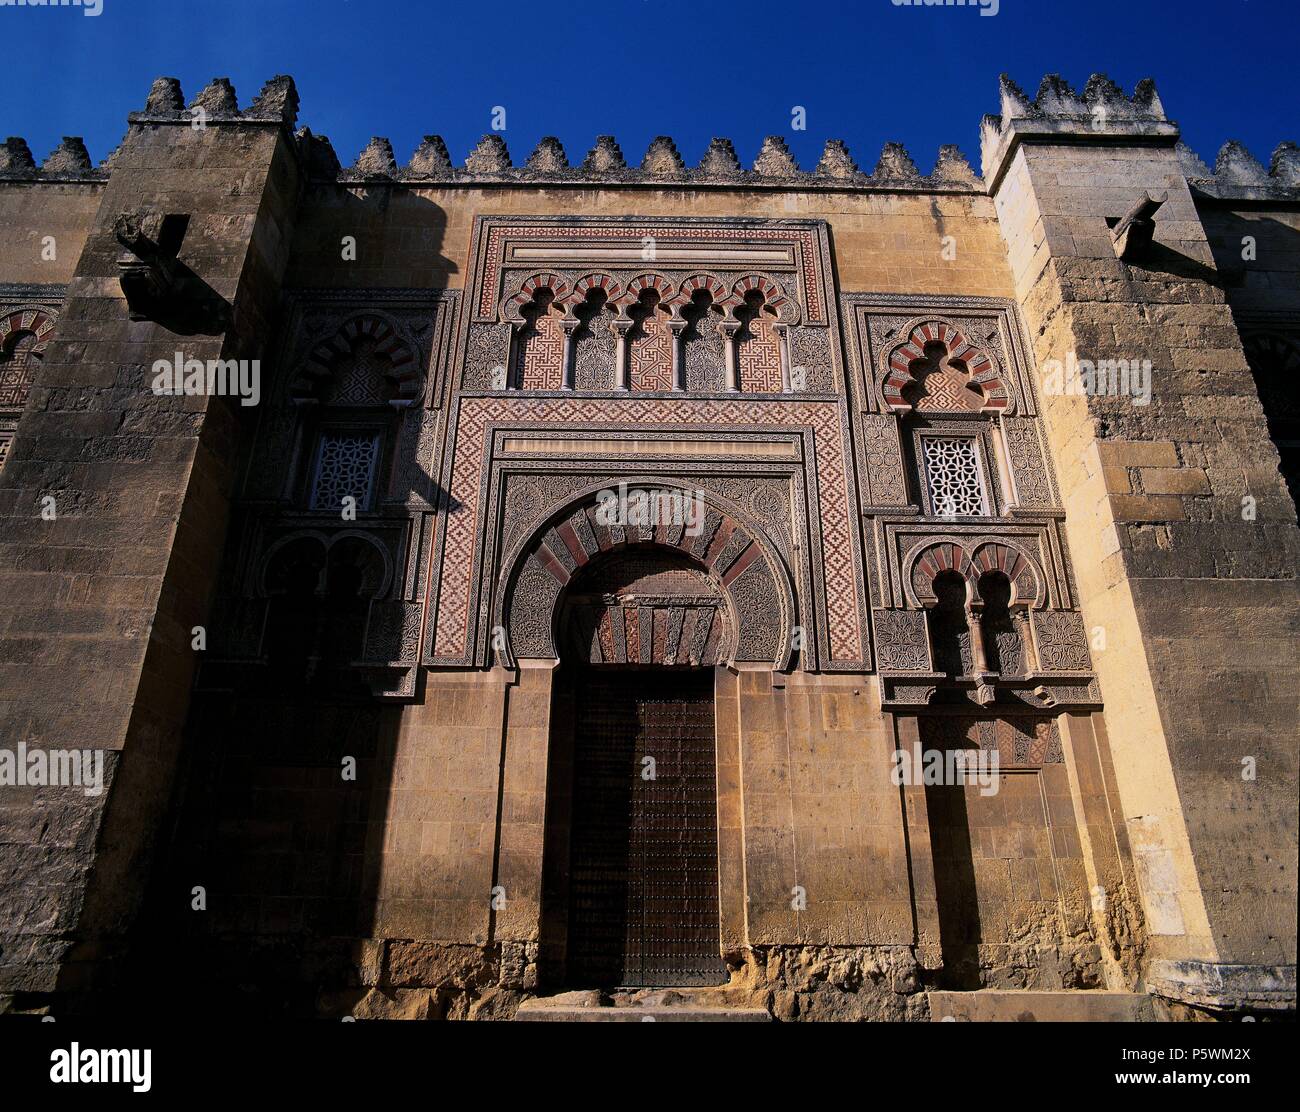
{"x": 333, "y": 646}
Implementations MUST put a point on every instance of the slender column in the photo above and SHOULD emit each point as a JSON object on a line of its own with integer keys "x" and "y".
{"x": 729, "y": 328}
{"x": 678, "y": 327}
{"x": 570, "y": 326}
{"x": 783, "y": 341}
{"x": 514, "y": 372}
{"x": 622, "y": 369}
{"x": 984, "y": 691}
{"x": 1020, "y": 617}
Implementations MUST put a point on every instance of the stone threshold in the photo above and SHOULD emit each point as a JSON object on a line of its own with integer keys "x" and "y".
{"x": 639, "y": 1006}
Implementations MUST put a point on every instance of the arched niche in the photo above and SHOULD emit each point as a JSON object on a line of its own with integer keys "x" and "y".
{"x": 692, "y": 532}
{"x": 366, "y": 362}
{"x": 937, "y": 369}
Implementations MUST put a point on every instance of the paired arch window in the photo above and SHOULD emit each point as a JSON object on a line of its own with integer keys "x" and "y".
{"x": 1000, "y": 646}
{"x": 320, "y": 592}
{"x": 977, "y": 602}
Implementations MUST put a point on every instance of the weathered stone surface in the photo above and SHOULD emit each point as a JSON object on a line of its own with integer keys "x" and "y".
{"x": 378, "y": 762}
{"x": 1040, "y": 1007}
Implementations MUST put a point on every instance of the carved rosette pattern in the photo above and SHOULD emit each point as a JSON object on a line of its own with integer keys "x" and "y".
{"x": 1061, "y": 641}
{"x": 901, "y": 643}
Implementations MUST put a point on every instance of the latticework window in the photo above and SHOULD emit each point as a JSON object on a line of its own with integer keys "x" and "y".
{"x": 345, "y": 467}
{"x": 952, "y": 475}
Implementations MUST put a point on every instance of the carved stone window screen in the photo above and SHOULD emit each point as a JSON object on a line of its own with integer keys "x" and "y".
{"x": 347, "y": 465}
{"x": 953, "y": 472}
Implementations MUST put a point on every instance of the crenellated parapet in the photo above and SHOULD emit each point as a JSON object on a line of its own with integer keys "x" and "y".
{"x": 490, "y": 162}
{"x": 217, "y": 102}
{"x": 1239, "y": 176}
{"x": 1101, "y": 113}
{"x": 68, "y": 162}
{"x": 774, "y": 166}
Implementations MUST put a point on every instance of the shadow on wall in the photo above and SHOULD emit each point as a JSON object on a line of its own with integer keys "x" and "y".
{"x": 394, "y": 234}
{"x": 1259, "y": 265}
{"x": 269, "y": 865}
{"x": 960, "y": 930}
{"x": 276, "y": 856}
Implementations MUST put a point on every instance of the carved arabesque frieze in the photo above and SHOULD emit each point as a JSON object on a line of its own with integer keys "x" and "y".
{"x": 901, "y": 641}
{"x": 1028, "y": 459}
{"x": 1061, "y": 641}
{"x": 487, "y": 356}
{"x": 882, "y": 451}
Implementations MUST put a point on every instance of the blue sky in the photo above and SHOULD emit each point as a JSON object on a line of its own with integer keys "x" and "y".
{"x": 866, "y": 71}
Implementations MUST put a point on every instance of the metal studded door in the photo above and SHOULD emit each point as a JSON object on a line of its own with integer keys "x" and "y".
{"x": 643, "y": 908}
